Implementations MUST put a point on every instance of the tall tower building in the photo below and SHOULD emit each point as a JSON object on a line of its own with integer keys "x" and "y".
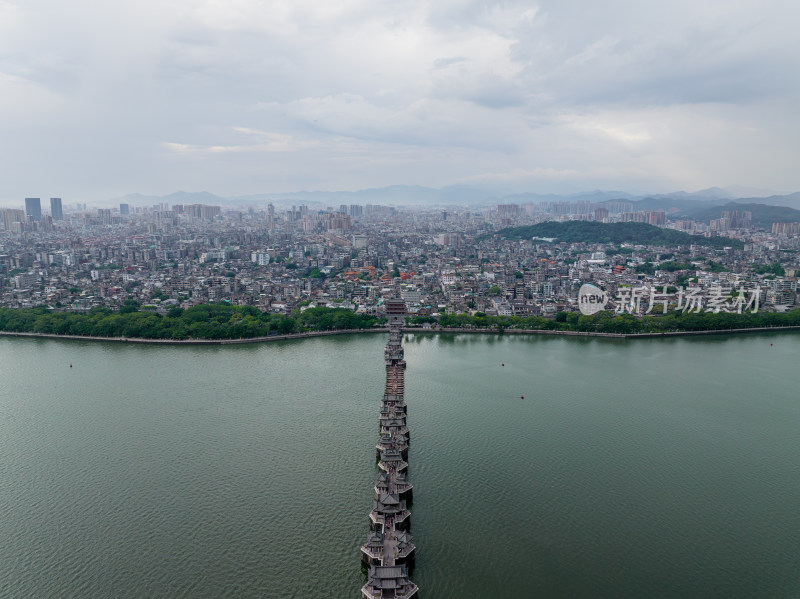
{"x": 55, "y": 209}
{"x": 33, "y": 207}
{"x": 124, "y": 209}
{"x": 270, "y": 217}
{"x": 11, "y": 216}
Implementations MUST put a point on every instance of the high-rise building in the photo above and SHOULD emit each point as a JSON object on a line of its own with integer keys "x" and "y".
{"x": 11, "y": 216}
{"x": 509, "y": 210}
{"x": 124, "y": 209}
{"x": 600, "y": 213}
{"x": 271, "y": 217}
{"x": 202, "y": 211}
{"x": 787, "y": 229}
{"x": 55, "y": 209}
{"x": 33, "y": 207}
{"x": 657, "y": 218}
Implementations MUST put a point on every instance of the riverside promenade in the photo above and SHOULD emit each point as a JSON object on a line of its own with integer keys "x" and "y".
{"x": 389, "y": 550}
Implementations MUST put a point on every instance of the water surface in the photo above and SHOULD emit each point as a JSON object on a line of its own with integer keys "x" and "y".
{"x": 640, "y": 468}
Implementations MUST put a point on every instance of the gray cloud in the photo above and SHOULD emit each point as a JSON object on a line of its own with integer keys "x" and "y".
{"x": 246, "y": 96}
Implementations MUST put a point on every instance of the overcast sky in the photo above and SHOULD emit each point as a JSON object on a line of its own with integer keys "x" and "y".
{"x": 101, "y": 98}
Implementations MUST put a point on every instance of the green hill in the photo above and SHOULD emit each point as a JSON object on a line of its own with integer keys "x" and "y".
{"x": 579, "y": 231}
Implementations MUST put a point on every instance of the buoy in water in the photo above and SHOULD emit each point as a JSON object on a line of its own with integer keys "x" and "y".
{"x": 522, "y": 397}
{"x": 70, "y": 365}
{"x": 503, "y": 364}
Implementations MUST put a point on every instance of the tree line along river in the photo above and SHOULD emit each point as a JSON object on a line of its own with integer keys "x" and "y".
{"x": 226, "y": 321}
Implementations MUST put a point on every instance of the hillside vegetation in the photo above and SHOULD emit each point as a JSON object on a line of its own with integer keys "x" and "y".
{"x": 580, "y": 231}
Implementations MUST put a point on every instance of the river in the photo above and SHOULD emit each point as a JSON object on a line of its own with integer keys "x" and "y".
{"x": 631, "y": 468}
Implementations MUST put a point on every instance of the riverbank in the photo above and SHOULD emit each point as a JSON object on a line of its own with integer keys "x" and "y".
{"x": 609, "y": 335}
{"x": 194, "y": 341}
{"x": 450, "y": 330}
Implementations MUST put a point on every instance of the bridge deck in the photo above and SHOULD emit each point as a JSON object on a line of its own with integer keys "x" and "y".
{"x": 390, "y": 546}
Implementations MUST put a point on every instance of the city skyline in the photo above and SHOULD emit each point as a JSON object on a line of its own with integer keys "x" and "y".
{"x": 246, "y": 97}
{"x": 407, "y": 195}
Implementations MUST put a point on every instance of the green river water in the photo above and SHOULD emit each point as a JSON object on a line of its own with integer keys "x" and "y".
{"x": 641, "y": 468}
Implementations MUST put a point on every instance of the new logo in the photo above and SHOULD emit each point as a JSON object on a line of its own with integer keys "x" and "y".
{"x": 591, "y": 299}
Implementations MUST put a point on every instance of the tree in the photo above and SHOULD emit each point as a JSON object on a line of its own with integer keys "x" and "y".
{"x": 129, "y": 306}
{"x": 773, "y": 269}
{"x": 175, "y": 312}
{"x": 286, "y": 325}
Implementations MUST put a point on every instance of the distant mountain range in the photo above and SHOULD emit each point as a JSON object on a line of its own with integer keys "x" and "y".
{"x": 700, "y": 205}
